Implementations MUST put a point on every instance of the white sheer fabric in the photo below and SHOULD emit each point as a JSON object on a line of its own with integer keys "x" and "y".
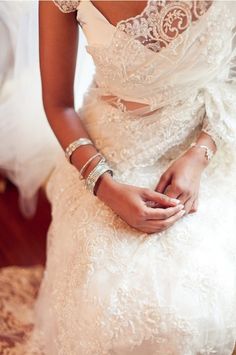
{"x": 28, "y": 148}
{"x": 109, "y": 289}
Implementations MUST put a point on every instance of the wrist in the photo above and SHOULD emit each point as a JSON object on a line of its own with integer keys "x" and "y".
{"x": 105, "y": 187}
{"x": 205, "y": 139}
{"x": 91, "y": 166}
{"x": 197, "y": 155}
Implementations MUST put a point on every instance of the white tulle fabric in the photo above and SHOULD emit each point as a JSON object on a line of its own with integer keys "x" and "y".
{"x": 28, "y": 148}
{"x": 109, "y": 289}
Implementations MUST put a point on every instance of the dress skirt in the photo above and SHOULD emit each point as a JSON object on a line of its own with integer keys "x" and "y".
{"x": 109, "y": 289}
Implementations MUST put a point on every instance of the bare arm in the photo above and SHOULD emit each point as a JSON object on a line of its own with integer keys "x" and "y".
{"x": 58, "y": 45}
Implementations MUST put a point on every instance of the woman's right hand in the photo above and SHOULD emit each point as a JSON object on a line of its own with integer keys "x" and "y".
{"x": 131, "y": 204}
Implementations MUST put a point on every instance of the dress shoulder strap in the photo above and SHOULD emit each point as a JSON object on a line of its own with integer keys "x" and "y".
{"x": 67, "y": 5}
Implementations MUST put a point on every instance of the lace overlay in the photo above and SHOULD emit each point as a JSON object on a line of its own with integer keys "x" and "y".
{"x": 67, "y": 5}
{"x": 163, "y": 21}
{"x": 129, "y": 293}
{"x": 160, "y": 79}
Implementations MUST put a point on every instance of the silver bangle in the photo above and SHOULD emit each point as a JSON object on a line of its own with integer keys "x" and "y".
{"x": 87, "y": 163}
{"x": 74, "y": 145}
{"x": 95, "y": 174}
{"x": 208, "y": 152}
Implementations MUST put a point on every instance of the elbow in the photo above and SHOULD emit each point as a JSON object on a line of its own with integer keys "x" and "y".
{"x": 55, "y": 108}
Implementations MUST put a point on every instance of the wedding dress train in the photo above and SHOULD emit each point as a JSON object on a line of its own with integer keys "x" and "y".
{"x": 109, "y": 289}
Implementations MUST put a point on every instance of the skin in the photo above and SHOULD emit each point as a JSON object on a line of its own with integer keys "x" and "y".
{"x": 182, "y": 179}
{"x": 58, "y": 38}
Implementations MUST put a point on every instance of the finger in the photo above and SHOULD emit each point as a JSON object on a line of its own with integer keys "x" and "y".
{"x": 171, "y": 220}
{"x": 163, "y": 183}
{"x": 167, "y": 190}
{"x": 162, "y": 213}
{"x": 172, "y": 191}
{"x": 159, "y": 198}
{"x": 160, "y": 225}
{"x": 188, "y": 204}
{"x": 184, "y": 197}
{"x": 194, "y": 206}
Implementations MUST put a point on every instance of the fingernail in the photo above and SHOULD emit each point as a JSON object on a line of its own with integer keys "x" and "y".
{"x": 182, "y": 213}
{"x": 175, "y": 200}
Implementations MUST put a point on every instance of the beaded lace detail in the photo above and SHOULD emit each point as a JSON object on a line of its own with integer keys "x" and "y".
{"x": 127, "y": 68}
{"x": 158, "y": 24}
{"x": 67, "y": 5}
{"x": 162, "y": 21}
{"x": 167, "y": 27}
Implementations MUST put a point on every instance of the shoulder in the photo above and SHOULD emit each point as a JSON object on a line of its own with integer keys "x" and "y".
{"x": 67, "y": 5}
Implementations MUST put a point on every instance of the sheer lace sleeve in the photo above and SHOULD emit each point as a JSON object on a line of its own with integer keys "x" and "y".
{"x": 220, "y": 112}
{"x": 220, "y": 94}
{"x": 67, "y": 5}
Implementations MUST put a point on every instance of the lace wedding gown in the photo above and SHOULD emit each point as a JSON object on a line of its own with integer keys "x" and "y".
{"x": 109, "y": 289}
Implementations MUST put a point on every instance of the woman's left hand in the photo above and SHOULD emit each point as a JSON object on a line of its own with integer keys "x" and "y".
{"x": 182, "y": 179}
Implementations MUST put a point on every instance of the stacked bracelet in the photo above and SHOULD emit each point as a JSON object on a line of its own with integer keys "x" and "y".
{"x": 74, "y": 145}
{"x": 95, "y": 174}
{"x": 87, "y": 163}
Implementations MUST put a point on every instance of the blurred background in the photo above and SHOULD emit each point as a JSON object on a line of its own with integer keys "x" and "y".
{"x": 28, "y": 148}
{"x": 28, "y": 155}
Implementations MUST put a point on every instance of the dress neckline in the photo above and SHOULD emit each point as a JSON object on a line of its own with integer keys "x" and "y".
{"x": 120, "y": 21}
{"x": 125, "y": 26}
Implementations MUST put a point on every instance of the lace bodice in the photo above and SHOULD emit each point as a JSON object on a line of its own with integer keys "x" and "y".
{"x": 163, "y": 21}
{"x": 157, "y": 25}
{"x": 161, "y": 55}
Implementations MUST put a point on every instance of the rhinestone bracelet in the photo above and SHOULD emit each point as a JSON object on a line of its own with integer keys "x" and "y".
{"x": 74, "y": 145}
{"x": 95, "y": 174}
{"x": 208, "y": 152}
{"x": 87, "y": 163}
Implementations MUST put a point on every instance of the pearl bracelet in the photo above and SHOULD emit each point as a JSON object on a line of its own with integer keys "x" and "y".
{"x": 208, "y": 152}
{"x": 74, "y": 145}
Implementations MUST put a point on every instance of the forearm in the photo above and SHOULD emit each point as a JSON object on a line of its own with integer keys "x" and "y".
{"x": 206, "y": 139}
{"x": 58, "y": 47}
{"x": 68, "y": 127}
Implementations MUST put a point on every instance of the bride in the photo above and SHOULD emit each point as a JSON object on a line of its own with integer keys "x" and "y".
{"x": 141, "y": 256}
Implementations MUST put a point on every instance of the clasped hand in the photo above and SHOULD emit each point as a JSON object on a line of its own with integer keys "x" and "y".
{"x": 182, "y": 180}
{"x": 153, "y": 211}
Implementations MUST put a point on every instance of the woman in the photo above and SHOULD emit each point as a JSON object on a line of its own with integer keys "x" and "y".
{"x": 141, "y": 249}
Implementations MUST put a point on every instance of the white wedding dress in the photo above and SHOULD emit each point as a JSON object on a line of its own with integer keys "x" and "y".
{"x": 109, "y": 289}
